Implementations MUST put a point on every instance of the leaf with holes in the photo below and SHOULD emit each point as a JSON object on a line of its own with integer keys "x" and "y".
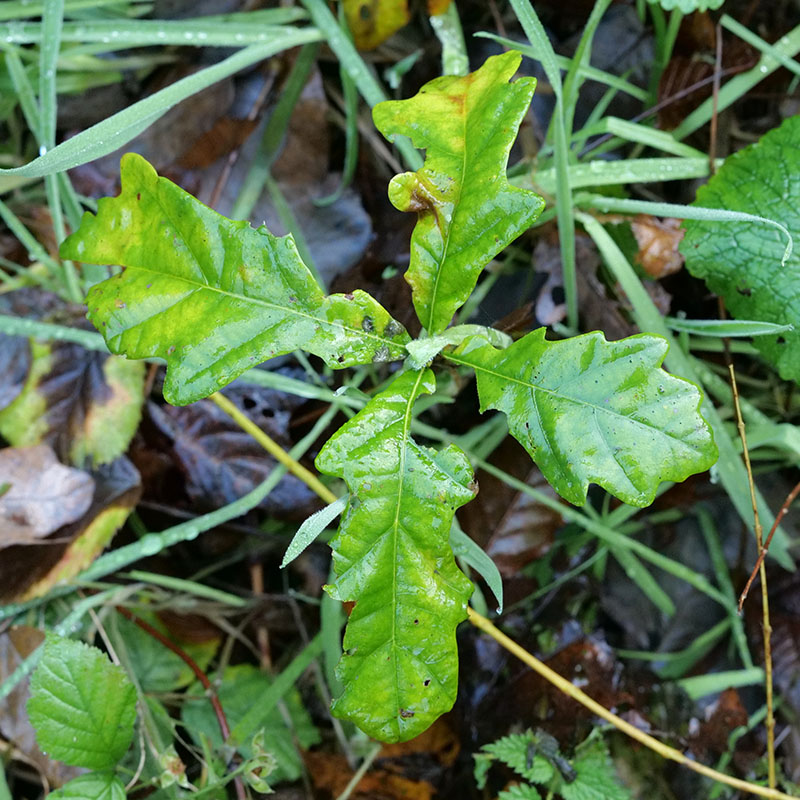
{"x": 588, "y": 410}
{"x": 392, "y": 557}
{"x": 468, "y": 212}
{"x": 212, "y": 296}
{"x": 741, "y": 261}
{"x": 82, "y": 706}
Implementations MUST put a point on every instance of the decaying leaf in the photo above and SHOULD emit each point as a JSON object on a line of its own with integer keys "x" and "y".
{"x": 44, "y": 495}
{"x": 373, "y": 21}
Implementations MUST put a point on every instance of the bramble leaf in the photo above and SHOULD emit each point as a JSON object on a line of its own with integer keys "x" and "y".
{"x": 94, "y": 786}
{"x": 468, "y": 212}
{"x": 741, "y": 261}
{"x": 392, "y": 557}
{"x": 82, "y": 706}
{"x": 589, "y": 410}
{"x": 212, "y": 296}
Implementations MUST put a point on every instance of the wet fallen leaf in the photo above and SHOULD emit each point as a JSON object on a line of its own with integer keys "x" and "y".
{"x": 373, "y": 21}
{"x": 43, "y": 496}
{"x": 722, "y": 718}
{"x": 221, "y": 462}
{"x": 15, "y": 361}
{"x": 512, "y": 527}
{"x": 31, "y": 570}
{"x": 658, "y": 241}
{"x": 86, "y": 405}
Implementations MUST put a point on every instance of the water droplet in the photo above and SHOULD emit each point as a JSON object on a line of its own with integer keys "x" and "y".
{"x": 763, "y": 68}
{"x": 42, "y": 150}
{"x": 161, "y": 35}
{"x": 188, "y": 36}
{"x": 239, "y": 37}
{"x": 202, "y": 35}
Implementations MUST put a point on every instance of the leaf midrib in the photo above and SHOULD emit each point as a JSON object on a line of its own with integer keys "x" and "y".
{"x": 361, "y": 333}
{"x": 578, "y": 401}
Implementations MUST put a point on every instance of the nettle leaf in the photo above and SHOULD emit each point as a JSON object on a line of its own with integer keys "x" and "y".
{"x": 588, "y": 410}
{"x": 741, "y": 261}
{"x": 82, "y": 706}
{"x": 595, "y": 775}
{"x": 393, "y": 558}
{"x": 212, "y": 296}
{"x": 468, "y": 212}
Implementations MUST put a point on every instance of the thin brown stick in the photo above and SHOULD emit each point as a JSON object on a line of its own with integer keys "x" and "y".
{"x": 222, "y": 720}
{"x": 790, "y": 498}
{"x": 770, "y": 721}
{"x": 601, "y": 711}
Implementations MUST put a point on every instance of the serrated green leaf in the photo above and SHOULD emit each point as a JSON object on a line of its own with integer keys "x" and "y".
{"x": 515, "y": 752}
{"x": 596, "y": 778}
{"x": 520, "y": 791}
{"x": 742, "y": 261}
{"x": 687, "y": 6}
{"x": 212, "y": 296}
{"x": 237, "y": 689}
{"x": 392, "y": 557}
{"x": 82, "y": 706}
{"x": 588, "y": 410}
{"x": 468, "y": 212}
{"x": 94, "y": 786}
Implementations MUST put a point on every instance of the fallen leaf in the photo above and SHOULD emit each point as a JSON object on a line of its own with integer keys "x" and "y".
{"x": 373, "y": 21}
{"x": 43, "y": 496}
{"x": 221, "y": 462}
{"x": 658, "y": 241}
{"x": 31, "y": 570}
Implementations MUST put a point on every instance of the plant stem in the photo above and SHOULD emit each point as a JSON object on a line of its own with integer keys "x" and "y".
{"x": 563, "y": 685}
{"x": 770, "y": 722}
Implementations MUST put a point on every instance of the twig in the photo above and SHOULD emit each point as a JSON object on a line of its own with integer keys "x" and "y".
{"x": 770, "y": 722}
{"x": 222, "y": 720}
{"x": 790, "y": 498}
{"x": 665, "y": 751}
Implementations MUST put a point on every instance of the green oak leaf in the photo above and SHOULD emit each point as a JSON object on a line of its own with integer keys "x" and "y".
{"x": 212, "y": 296}
{"x": 589, "y": 410}
{"x": 82, "y": 706}
{"x": 741, "y": 261}
{"x": 468, "y": 212}
{"x": 393, "y": 558}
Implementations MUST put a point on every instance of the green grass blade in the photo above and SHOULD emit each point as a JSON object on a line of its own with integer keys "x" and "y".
{"x": 120, "y": 128}
{"x": 729, "y": 467}
{"x": 351, "y": 61}
{"x": 535, "y": 32}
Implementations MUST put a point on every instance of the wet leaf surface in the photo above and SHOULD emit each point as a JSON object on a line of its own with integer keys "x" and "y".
{"x": 44, "y": 495}
{"x": 220, "y": 462}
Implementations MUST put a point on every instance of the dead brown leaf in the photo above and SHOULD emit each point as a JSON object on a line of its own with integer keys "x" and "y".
{"x": 658, "y": 241}
{"x": 43, "y": 496}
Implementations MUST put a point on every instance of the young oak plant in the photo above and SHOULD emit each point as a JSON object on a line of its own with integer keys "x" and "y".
{"x": 215, "y": 297}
